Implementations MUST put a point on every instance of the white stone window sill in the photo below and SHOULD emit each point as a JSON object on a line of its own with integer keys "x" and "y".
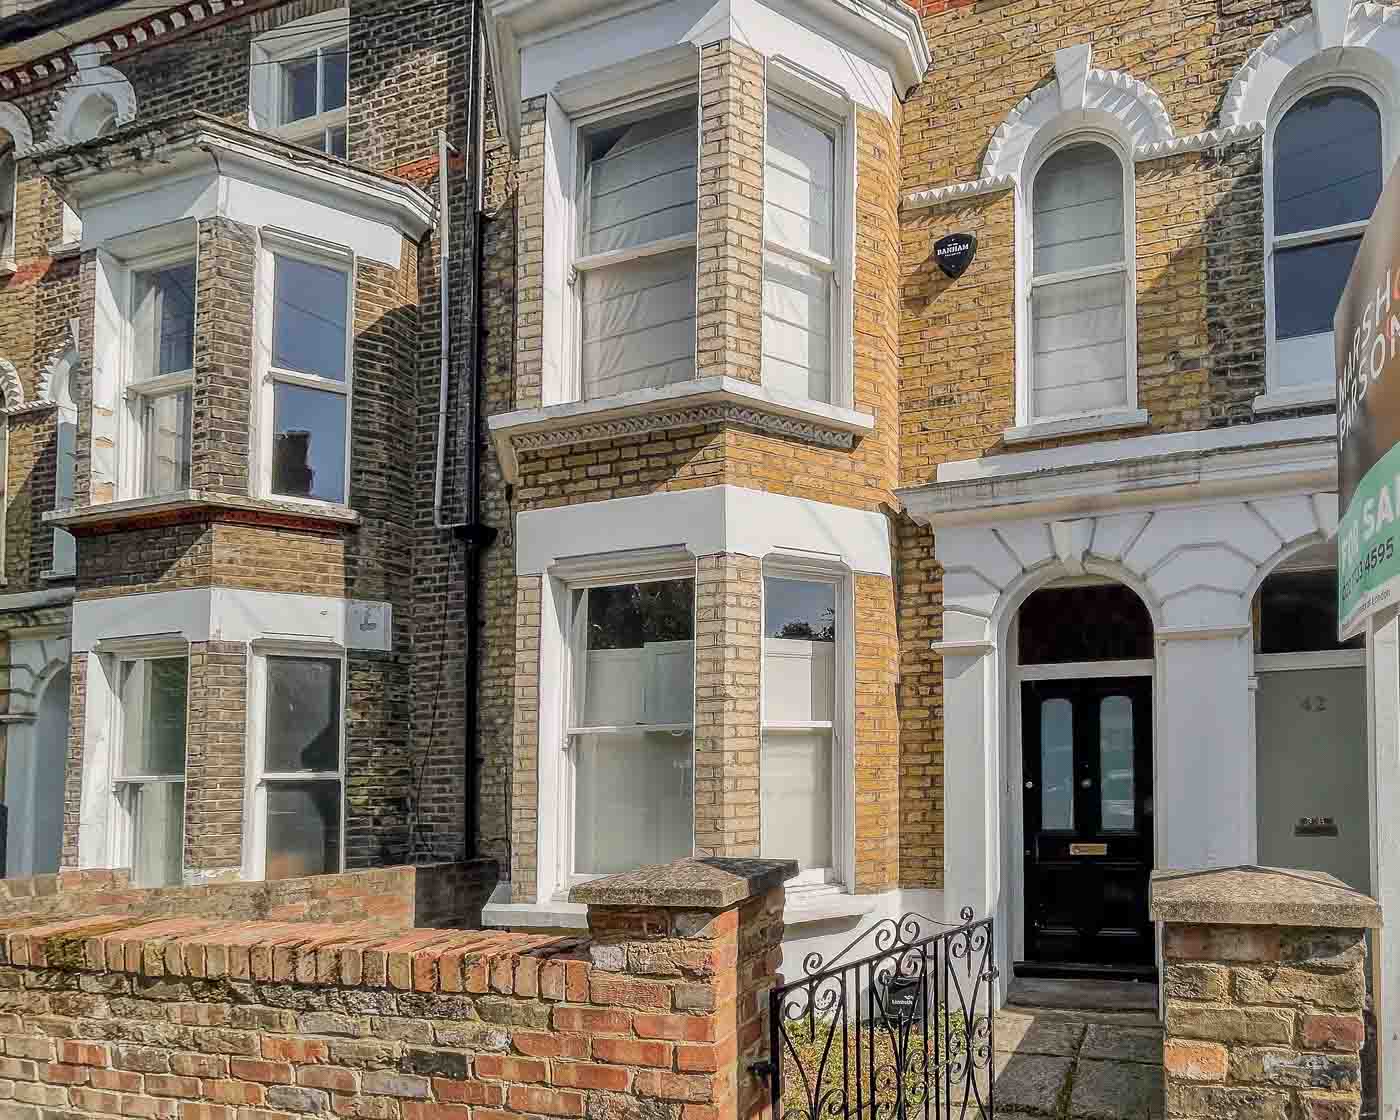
{"x": 1277, "y": 400}
{"x": 8, "y": 267}
{"x": 61, "y": 249}
{"x": 138, "y": 509}
{"x": 804, "y": 905}
{"x": 704, "y": 400}
{"x": 1078, "y": 425}
{"x": 52, "y": 575}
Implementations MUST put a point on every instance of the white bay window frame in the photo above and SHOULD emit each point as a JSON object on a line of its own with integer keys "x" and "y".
{"x": 278, "y": 243}
{"x": 1124, "y": 415}
{"x": 841, "y": 726}
{"x": 139, "y": 394}
{"x": 1284, "y": 390}
{"x": 123, "y": 786}
{"x": 799, "y": 91}
{"x": 574, "y": 223}
{"x": 259, "y": 777}
{"x": 310, "y": 37}
{"x": 648, "y": 566}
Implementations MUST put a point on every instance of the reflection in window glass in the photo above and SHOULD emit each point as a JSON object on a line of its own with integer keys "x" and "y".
{"x": 303, "y": 714}
{"x": 308, "y": 443}
{"x": 167, "y": 424}
{"x": 163, "y": 321}
{"x": 1116, "y": 756}
{"x": 799, "y": 609}
{"x": 1308, "y": 285}
{"x": 1327, "y": 161}
{"x": 308, "y": 318}
{"x": 152, "y": 696}
{"x": 1056, "y": 764}
{"x": 303, "y": 829}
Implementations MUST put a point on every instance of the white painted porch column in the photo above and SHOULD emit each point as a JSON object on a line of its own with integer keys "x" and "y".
{"x": 972, "y": 827}
{"x": 1383, "y": 712}
{"x": 1204, "y": 787}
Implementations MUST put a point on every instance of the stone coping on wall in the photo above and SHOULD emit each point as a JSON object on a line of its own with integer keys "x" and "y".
{"x": 1268, "y": 896}
{"x": 701, "y": 883}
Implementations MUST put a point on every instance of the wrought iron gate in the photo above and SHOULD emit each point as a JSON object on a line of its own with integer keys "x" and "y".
{"x": 903, "y": 1034}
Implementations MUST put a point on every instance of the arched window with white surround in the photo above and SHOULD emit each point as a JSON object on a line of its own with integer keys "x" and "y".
{"x": 1081, "y": 286}
{"x": 1326, "y": 164}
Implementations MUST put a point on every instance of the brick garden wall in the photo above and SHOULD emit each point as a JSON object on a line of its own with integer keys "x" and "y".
{"x": 656, "y": 1017}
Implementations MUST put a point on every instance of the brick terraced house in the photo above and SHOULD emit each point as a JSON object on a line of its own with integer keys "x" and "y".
{"x": 992, "y": 591}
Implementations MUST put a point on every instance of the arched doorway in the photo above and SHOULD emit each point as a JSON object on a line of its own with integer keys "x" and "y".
{"x": 1313, "y": 804}
{"x": 1083, "y": 679}
{"x": 34, "y": 785}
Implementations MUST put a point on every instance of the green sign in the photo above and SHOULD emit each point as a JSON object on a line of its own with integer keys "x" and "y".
{"x": 1368, "y": 422}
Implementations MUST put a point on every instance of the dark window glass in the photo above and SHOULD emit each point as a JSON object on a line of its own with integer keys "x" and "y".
{"x": 333, "y": 66}
{"x": 303, "y": 829}
{"x": 1327, "y": 162}
{"x": 1298, "y": 613}
{"x": 299, "y": 89}
{"x": 308, "y": 318}
{"x": 1106, "y": 623}
{"x": 799, "y": 609}
{"x": 631, "y": 615}
{"x": 1308, "y": 285}
{"x": 308, "y": 443}
{"x": 303, "y": 714}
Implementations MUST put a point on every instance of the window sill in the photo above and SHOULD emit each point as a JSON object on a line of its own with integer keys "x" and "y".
{"x": 51, "y": 575}
{"x": 1279, "y": 400}
{"x": 60, "y": 250}
{"x": 196, "y": 505}
{"x": 1077, "y": 425}
{"x": 706, "y": 400}
{"x": 8, "y": 267}
{"x": 499, "y": 911}
{"x": 824, "y": 904}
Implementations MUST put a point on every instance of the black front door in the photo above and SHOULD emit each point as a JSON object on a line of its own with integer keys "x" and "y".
{"x": 1088, "y": 818}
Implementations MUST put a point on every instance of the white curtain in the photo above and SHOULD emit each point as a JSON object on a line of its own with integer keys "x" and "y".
{"x": 798, "y": 213}
{"x": 639, "y": 315}
{"x": 795, "y": 780}
{"x": 1079, "y": 337}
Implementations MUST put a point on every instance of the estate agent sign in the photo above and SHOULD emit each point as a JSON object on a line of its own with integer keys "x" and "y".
{"x": 1368, "y": 422}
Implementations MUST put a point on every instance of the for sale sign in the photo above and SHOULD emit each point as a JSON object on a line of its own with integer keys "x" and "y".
{"x": 1368, "y": 422}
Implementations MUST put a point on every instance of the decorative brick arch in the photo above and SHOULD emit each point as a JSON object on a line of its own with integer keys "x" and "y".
{"x": 13, "y": 121}
{"x": 1369, "y": 32}
{"x": 91, "y": 81}
{"x": 11, "y": 387}
{"x": 1080, "y": 96}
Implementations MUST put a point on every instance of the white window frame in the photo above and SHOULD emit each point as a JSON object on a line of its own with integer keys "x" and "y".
{"x": 113, "y": 655}
{"x": 571, "y": 227}
{"x": 805, "y": 94}
{"x": 279, "y": 243}
{"x": 295, "y": 40}
{"x": 258, "y": 777}
{"x": 781, "y": 565}
{"x": 1027, "y": 281}
{"x": 1276, "y": 394}
{"x": 652, "y": 566}
{"x": 65, "y": 412}
{"x": 135, "y": 394}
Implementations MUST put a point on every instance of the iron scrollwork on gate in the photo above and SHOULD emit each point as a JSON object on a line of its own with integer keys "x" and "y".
{"x": 905, "y": 1033}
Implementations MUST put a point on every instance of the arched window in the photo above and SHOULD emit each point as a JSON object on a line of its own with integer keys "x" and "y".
{"x": 7, "y": 199}
{"x": 1327, "y": 174}
{"x": 1081, "y": 285}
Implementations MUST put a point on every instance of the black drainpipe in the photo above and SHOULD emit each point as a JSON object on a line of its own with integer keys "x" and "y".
{"x": 474, "y": 535}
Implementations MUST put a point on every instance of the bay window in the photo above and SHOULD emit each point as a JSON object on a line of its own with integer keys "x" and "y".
{"x": 630, "y": 733}
{"x": 299, "y": 767}
{"x": 800, "y": 257}
{"x": 1327, "y": 176}
{"x": 800, "y": 769}
{"x": 306, "y": 390}
{"x": 151, "y": 695}
{"x": 160, "y": 389}
{"x": 1080, "y": 293}
{"x": 634, "y": 264}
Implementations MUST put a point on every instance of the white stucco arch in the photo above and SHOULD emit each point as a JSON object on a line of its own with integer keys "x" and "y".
{"x": 11, "y": 387}
{"x": 1080, "y": 97}
{"x": 13, "y": 121}
{"x": 92, "y": 92}
{"x": 1362, "y": 41}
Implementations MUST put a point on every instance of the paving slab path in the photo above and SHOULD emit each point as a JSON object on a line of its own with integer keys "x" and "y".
{"x": 1077, "y": 1065}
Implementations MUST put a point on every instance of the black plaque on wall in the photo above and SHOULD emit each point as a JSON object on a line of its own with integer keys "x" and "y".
{"x": 954, "y": 253}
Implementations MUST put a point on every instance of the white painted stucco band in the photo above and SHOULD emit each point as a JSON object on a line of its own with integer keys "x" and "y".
{"x": 221, "y": 614}
{"x": 705, "y": 521}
